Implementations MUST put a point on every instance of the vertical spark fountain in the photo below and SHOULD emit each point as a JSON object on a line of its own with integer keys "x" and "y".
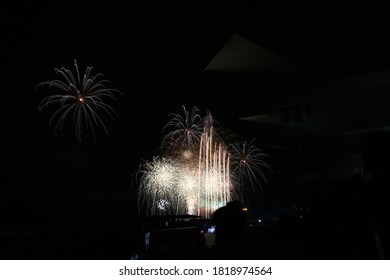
{"x": 213, "y": 170}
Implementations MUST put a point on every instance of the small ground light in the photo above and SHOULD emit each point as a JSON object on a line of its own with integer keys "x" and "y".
{"x": 259, "y": 220}
{"x": 244, "y": 209}
{"x": 211, "y": 229}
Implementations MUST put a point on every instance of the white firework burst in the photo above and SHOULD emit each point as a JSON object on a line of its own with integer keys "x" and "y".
{"x": 158, "y": 179}
{"x": 82, "y": 97}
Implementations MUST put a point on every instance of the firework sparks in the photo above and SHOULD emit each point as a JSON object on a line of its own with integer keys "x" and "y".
{"x": 158, "y": 187}
{"x": 196, "y": 177}
{"x": 248, "y": 164}
{"x": 183, "y": 132}
{"x": 82, "y": 97}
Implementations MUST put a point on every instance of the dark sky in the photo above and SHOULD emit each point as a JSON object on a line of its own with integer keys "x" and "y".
{"x": 155, "y": 53}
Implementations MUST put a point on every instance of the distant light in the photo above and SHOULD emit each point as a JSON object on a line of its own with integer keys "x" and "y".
{"x": 134, "y": 257}
{"x": 259, "y": 220}
{"x": 244, "y": 209}
{"x": 211, "y": 229}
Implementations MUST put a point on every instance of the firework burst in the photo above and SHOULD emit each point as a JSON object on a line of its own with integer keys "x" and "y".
{"x": 157, "y": 188}
{"x": 183, "y": 132}
{"x": 200, "y": 173}
{"x": 82, "y": 98}
{"x": 248, "y": 164}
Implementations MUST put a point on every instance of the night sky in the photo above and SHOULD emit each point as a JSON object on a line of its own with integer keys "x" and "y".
{"x": 152, "y": 52}
{"x": 155, "y": 52}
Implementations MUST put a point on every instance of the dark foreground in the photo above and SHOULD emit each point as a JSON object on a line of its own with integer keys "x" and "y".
{"x": 118, "y": 240}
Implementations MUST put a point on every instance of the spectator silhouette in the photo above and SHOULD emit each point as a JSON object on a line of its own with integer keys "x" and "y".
{"x": 230, "y": 230}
